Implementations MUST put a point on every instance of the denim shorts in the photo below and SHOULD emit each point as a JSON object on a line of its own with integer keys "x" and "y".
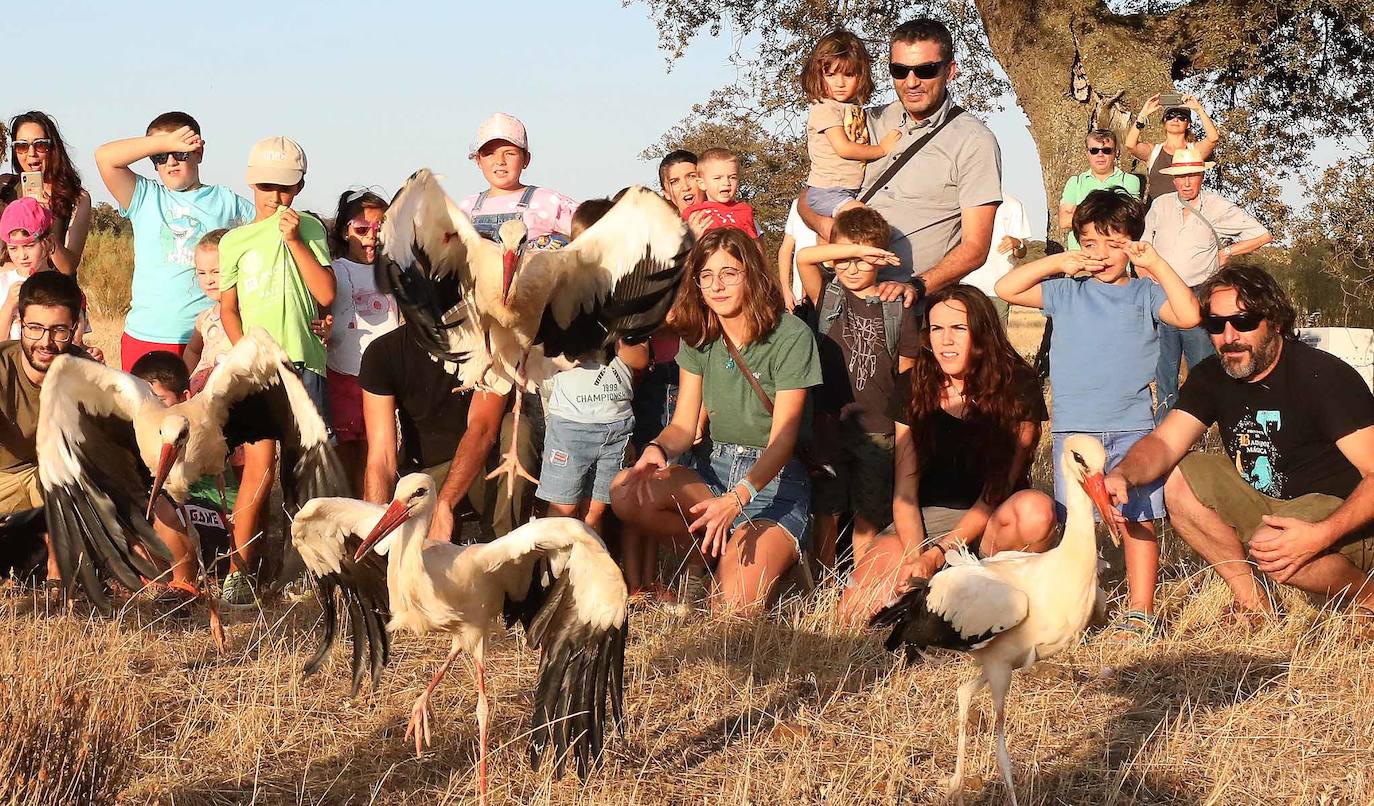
{"x": 1146, "y": 502}
{"x": 786, "y": 500}
{"x": 825, "y": 201}
{"x": 581, "y": 459}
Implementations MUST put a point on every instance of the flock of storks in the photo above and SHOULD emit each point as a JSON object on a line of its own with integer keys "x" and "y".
{"x": 110, "y": 453}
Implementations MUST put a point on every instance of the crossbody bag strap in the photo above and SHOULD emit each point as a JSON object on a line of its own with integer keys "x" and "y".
{"x": 1197, "y": 211}
{"x": 748, "y": 376}
{"x": 905, "y": 157}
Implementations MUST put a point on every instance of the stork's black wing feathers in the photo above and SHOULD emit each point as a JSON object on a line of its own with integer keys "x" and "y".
{"x": 22, "y": 550}
{"x": 362, "y": 587}
{"x": 424, "y": 299}
{"x": 915, "y": 627}
{"x": 635, "y": 308}
{"x": 580, "y": 667}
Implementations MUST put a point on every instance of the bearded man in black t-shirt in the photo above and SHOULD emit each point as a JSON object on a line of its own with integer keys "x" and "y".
{"x": 1293, "y": 495}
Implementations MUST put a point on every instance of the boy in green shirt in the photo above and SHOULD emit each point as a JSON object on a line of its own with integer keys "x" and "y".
{"x": 274, "y": 274}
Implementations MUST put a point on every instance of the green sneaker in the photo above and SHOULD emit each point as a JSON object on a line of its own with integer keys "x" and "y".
{"x": 237, "y": 591}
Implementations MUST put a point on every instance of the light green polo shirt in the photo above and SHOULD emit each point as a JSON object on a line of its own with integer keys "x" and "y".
{"x": 272, "y": 294}
{"x": 1078, "y": 187}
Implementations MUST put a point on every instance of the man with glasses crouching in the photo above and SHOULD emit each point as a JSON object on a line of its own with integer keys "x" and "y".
{"x": 49, "y": 310}
{"x": 1293, "y": 495}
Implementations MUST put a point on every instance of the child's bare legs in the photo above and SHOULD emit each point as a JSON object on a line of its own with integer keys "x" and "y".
{"x": 172, "y": 533}
{"x": 564, "y": 510}
{"x": 255, "y": 488}
{"x": 826, "y": 538}
{"x": 640, "y": 557}
{"x": 593, "y": 512}
{"x": 1142, "y": 565}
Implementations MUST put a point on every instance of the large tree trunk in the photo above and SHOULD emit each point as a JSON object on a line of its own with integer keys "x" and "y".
{"x": 1074, "y": 67}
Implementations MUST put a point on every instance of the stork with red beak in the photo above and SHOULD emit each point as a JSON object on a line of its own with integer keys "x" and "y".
{"x": 574, "y": 612}
{"x": 108, "y": 448}
{"x": 1014, "y": 608}
{"x": 510, "y": 315}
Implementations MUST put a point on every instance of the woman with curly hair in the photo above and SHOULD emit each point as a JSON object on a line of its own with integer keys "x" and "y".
{"x": 968, "y": 418}
{"x": 37, "y": 146}
{"x": 745, "y": 493}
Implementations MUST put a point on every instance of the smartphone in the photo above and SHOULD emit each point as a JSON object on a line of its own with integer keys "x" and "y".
{"x": 1168, "y": 99}
{"x": 31, "y": 184}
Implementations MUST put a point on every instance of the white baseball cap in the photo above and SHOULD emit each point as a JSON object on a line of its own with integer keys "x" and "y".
{"x": 276, "y": 161}
{"x": 499, "y": 126}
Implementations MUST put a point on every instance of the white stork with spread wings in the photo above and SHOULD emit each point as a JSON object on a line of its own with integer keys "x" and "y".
{"x": 504, "y": 313}
{"x": 578, "y": 620}
{"x": 1014, "y": 608}
{"x": 108, "y": 447}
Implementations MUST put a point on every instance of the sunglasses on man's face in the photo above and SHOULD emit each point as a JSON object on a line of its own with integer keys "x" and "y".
{"x": 161, "y": 159}
{"x": 925, "y": 72}
{"x": 1242, "y": 322}
{"x": 40, "y": 146}
{"x": 1095, "y": 150}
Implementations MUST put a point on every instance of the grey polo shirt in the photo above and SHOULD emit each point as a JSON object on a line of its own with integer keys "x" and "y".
{"x": 961, "y": 168}
{"x": 1186, "y": 242}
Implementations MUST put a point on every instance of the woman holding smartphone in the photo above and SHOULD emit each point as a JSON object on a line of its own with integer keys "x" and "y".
{"x": 746, "y": 495}
{"x": 1178, "y": 132}
{"x": 44, "y": 171}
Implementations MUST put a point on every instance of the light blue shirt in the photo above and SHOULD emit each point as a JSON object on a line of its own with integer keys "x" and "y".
{"x": 167, "y": 226}
{"x": 1103, "y": 353}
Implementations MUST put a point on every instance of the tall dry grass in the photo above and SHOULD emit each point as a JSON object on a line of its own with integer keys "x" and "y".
{"x": 107, "y": 273}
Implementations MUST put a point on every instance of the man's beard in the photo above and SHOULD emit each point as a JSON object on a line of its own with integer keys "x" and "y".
{"x": 39, "y": 361}
{"x": 1256, "y": 360}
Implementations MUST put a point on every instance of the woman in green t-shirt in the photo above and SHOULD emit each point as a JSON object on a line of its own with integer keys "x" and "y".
{"x": 744, "y": 491}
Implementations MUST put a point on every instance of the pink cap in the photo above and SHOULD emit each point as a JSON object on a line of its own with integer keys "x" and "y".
{"x": 499, "y": 126}
{"x": 28, "y": 215}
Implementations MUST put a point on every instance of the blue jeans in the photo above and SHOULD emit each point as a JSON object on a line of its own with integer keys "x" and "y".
{"x": 1174, "y": 343}
{"x": 1146, "y": 502}
{"x": 786, "y": 500}
{"x": 580, "y": 459}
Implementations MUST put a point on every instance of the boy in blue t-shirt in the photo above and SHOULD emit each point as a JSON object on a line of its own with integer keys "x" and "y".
{"x": 168, "y": 217}
{"x": 1103, "y": 354}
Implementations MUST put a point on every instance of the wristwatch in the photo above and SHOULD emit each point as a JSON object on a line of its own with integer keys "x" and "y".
{"x": 919, "y": 283}
{"x": 1140, "y": 124}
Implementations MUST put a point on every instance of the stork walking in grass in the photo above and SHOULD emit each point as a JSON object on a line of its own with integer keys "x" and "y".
{"x": 1014, "y": 608}
{"x": 109, "y": 450}
{"x": 511, "y": 317}
{"x": 552, "y": 574}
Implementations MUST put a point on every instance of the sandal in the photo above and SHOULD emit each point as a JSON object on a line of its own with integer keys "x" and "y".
{"x": 1134, "y": 626}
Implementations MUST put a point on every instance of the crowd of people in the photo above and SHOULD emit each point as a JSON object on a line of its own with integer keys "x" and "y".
{"x": 855, "y": 396}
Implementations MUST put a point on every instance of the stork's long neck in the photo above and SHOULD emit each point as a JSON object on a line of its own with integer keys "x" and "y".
{"x": 1079, "y": 543}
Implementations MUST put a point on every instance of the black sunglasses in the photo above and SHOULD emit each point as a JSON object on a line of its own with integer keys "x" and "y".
{"x": 1243, "y": 322}
{"x": 1178, "y": 114}
{"x": 161, "y": 159}
{"x": 925, "y": 72}
{"x": 1108, "y": 150}
{"x": 42, "y": 145}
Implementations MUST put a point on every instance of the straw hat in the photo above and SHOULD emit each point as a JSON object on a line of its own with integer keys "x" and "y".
{"x": 1187, "y": 161}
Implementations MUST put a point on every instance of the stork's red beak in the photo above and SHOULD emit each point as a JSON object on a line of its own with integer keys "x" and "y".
{"x": 1096, "y": 488}
{"x": 164, "y": 466}
{"x": 395, "y": 515}
{"x": 509, "y": 261}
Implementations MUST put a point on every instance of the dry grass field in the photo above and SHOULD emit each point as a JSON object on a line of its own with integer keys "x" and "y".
{"x": 787, "y": 709}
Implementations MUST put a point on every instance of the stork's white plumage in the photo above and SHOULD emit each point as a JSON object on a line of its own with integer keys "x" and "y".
{"x": 108, "y": 447}
{"x": 508, "y": 314}
{"x": 578, "y": 623}
{"x": 1013, "y": 608}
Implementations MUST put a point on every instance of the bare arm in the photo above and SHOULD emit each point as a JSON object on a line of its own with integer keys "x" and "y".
{"x": 818, "y": 223}
{"x": 1156, "y": 453}
{"x": 194, "y": 347}
{"x": 1358, "y": 509}
{"x": 483, "y": 427}
{"x": 850, "y": 150}
{"x": 1251, "y": 244}
{"x": 1066, "y": 215}
{"x": 1210, "y": 134}
{"x": 635, "y": 356}
{"x": 1181, "y": 307}
{"x": 1137, "y": 149}
{"x": 971, "y": 252}
{"x": 1021, "y": 285}
{"x": 229, "y": 314}
{"x": 906, "y": 500}
{"x": 80, "y": 228}
{"x": 677, "y": 436}
{"x": 319, "y": 279}
{"x": 785, "y": 250}
{"x": 113, "y": 159}
{"x": 379, "y": 474}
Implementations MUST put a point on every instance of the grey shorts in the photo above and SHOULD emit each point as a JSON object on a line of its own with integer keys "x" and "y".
{"x": 825, "y": 201}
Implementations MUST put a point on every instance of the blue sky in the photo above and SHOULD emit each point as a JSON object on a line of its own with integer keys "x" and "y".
{"x": 373, "y": 91}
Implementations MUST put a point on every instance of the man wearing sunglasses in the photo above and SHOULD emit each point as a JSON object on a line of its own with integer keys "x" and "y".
{"x": 168, "y": 217}
{"x": 941, "y": 230}
{"x": 49, "y": 310}
{"x": 1187, "y": 228}
{"x": 1102, "y": 174}
{"x": 1294, "y": 493}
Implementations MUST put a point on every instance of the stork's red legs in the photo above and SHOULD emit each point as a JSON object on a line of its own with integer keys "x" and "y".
{"x": 481, "y": 729}
{"x": 510, "y": 465}
{"x": 419, "y": 715}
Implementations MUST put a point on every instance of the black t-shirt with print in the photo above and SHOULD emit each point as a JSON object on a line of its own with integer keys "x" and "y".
{"x": 859, "y": 376}
{"x": 432, "y": 415}
{"x": 1281, "y": 431}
